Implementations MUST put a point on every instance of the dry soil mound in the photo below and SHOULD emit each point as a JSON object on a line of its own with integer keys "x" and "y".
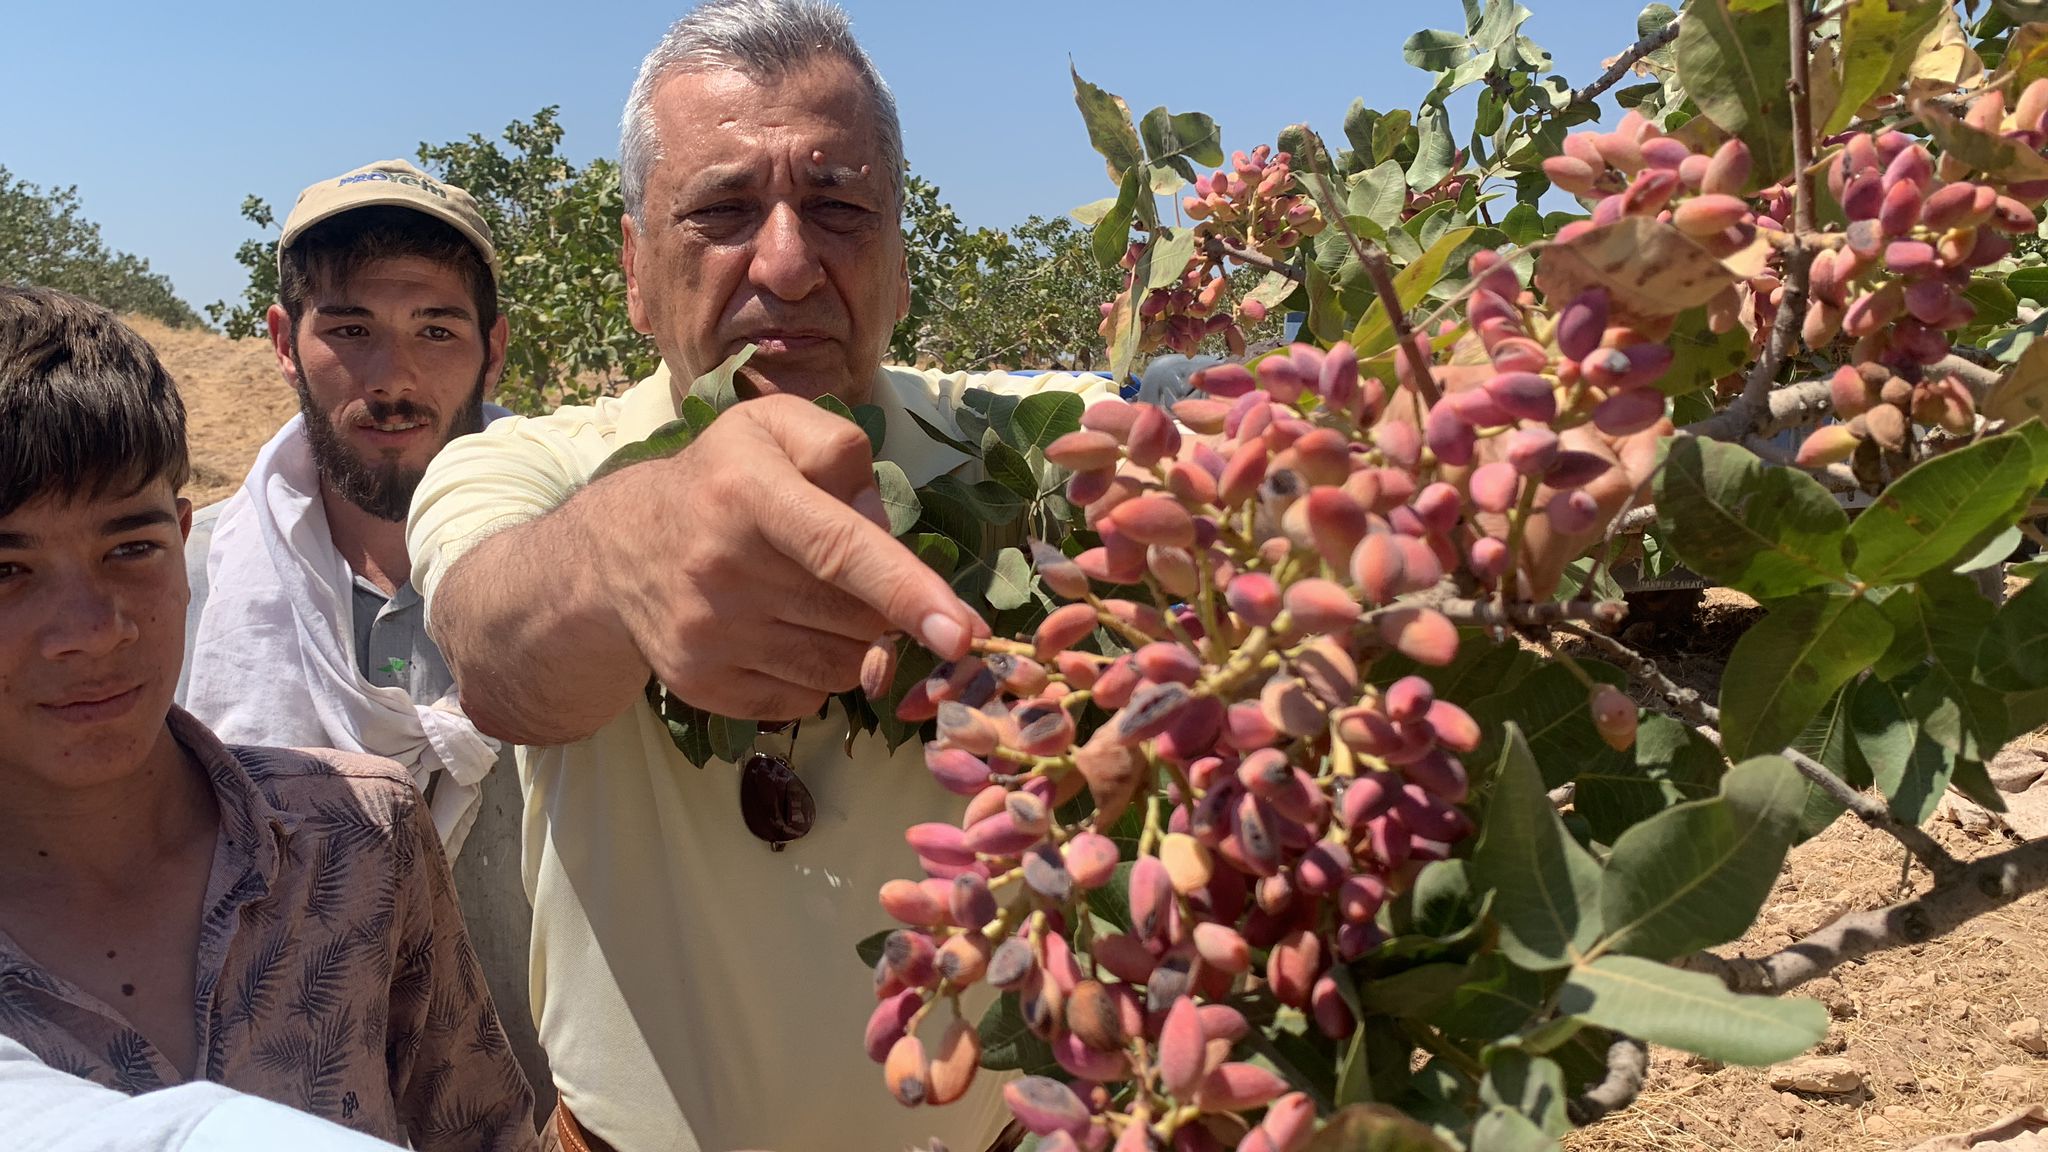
{"x": 234, "y": 400}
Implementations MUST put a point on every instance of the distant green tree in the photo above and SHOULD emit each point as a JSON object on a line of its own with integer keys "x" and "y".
{"x": 244, "y": 317}
{"x": 557, "y": 231}
{"x": 44, "y": 240}
{"x": 983, "y": 298}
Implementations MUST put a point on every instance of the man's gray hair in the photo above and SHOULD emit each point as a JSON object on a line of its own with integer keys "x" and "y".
{"x": 764, "y": 39}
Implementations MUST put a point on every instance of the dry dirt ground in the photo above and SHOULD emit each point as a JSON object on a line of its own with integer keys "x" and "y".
{"x": 234, "y": 401}
{"x": 1923, "y": 1029}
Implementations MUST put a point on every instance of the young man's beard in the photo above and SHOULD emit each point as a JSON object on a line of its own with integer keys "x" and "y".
{"x": 382, "y": 488}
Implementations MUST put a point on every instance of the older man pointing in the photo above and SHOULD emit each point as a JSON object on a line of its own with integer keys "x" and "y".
{"x": 696, "y": 988}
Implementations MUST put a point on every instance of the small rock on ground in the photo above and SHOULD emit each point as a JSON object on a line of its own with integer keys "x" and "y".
{"x": 1827, "y": 1075}
{"x": 2028, "y": 1034}
{"x": 2016, "y": 768}
{"x": 2009, "y": 1079}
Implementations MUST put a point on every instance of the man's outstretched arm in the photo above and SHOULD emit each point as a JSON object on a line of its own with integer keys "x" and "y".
{"x": 748, "y": 573}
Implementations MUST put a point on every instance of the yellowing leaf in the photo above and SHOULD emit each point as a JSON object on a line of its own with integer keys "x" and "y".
{"x": 1375, "y": 332}
{"x": 1945, "y": 59}
{"x": 2025, "y": 60}
{"x": 1994, "y": 156}
{"x": 2024, "y": 391}
{"x": 1749, "y": 263}
{"x": 1878, "y": 40}
{"x": 1650, "y": 269}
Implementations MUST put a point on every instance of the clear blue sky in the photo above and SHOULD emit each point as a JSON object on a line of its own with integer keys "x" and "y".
{"x": 166, "y": 115}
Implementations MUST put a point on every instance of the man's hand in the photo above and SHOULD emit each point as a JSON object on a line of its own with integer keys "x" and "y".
{"x": 754, "y": 569}
{"x": 748, "y": 573}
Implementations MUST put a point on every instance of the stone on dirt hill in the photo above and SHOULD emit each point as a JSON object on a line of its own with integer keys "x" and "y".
{"x": 1826, "y": 1075}
{"x": 2028, "y": 1035}
{"x": 2026, "y": 813}
{"x": 2009, "y": 1080}
{"x": 2016, "y": 768}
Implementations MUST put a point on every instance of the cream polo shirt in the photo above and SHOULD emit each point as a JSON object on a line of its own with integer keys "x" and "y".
{"x": 697, "y": 992}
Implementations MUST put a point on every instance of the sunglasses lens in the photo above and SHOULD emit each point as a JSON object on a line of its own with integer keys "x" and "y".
{"x": 773, "y": 800}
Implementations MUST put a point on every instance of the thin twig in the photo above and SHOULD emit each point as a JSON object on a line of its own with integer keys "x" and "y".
{"x": 1685, "y": 700}
{"x": 1878, "y": 815}
{"x": 1707, "y": 720}
{"x": 1978, "y": 888}
{"x": 1417, "y": 353}
{"x": 1381, "y": 273}
{"x": 1627, "y": 60}
{"x": 1491, "y": 614}
{"x": 1799, "y": 90}
{"x": 1217, "y": 247}
{"x": 1868, "y": 809}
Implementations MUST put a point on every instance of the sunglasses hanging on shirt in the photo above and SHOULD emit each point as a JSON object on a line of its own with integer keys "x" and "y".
{"x": 774, "y": 802}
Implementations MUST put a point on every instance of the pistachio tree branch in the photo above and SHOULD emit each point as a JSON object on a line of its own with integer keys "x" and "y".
{"x": 1218, "y": 247}
{"x": 1980, "y": 887}
{"x": 1876, "y": 814}
{"x": 1807, "y": 402}
{"x": 1627, "y": 60}
{"x": 1706, "y": 719}
{"x": 1416, "y": 352}
{"x": 1491, "y": 614}
{"x": 1381, "y": 273}
{"x": 1687, "y": 702}
{"x": 1798, "y": 88}
{"x": 1636, "y": 519}
{"x": 1628, "y": 1063}
{"x": 1746, "y": 411}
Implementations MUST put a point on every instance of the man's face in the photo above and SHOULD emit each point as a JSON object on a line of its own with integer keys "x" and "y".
{"x": 92, "y": 630}
{"x": 770, "y": 219}
{"x": 390, "y": 365}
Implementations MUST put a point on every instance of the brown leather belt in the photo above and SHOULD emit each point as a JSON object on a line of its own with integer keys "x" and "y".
{"x": 566, "y": 1135}
{"x": 569, "y": 1136}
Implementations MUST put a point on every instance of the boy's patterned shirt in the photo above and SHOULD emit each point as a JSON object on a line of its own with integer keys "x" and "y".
{"x": 334, "y": 974}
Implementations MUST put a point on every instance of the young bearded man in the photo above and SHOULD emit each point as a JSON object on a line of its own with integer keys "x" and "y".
{"x": 173, "y": 909}
{"x": 304, "y": 629}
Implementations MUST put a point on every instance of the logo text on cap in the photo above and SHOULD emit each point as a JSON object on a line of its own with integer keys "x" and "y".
{"x": 395, "y": 177}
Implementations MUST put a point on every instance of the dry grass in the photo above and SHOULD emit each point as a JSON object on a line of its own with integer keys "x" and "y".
{"x": 235, "y": 400}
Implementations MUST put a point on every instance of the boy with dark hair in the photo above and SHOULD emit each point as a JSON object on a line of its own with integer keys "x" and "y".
{"x": 304, "y": 629}
{"x": 173, "y": 909}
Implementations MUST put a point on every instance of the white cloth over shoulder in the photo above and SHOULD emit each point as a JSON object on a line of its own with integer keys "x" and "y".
{"x": 52, "y": 1111}
{"x": 272, "y": 665}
